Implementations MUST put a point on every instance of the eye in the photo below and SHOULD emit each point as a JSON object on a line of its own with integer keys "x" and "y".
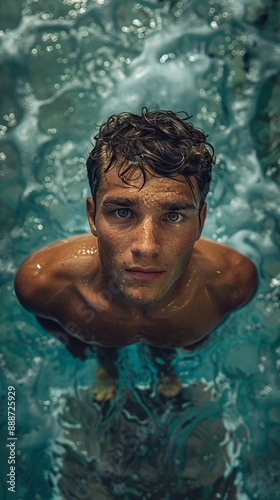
{"x": 174, "y": 217}
{"x": 122, "y": 213}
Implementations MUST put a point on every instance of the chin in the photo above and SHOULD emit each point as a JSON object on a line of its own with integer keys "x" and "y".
{"x": 141, "y": 300}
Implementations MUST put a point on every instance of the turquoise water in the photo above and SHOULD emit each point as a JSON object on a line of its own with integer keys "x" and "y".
{"x": 65, "y": 66}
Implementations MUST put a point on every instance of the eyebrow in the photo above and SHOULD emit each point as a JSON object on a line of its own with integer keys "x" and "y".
{"x": 127, "y": 202}
{"x": 123, "y": 202}
{"x": 178, "y": 206}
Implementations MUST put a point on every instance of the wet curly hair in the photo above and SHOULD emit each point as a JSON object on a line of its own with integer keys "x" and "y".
{"x": 160, "y": 141}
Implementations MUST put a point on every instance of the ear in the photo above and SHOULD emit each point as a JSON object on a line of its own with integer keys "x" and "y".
{"x": 202, "y": 217}
{"x": 90, "y": 208}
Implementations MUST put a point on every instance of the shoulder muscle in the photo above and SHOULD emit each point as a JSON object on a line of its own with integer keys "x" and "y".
{"x": 239, "y": 281}
{"x": 47, "y": 275}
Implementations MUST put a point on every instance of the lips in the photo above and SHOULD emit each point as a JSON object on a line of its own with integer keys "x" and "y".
{"x": 144, "y": 274}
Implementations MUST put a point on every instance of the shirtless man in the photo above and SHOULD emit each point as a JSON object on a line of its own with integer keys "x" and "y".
{"x": 143, "y": 274}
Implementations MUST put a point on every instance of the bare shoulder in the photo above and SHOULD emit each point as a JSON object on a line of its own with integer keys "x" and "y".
{"x": 232, "y": 277}
{"x": 53, "y": 268}
{"x": 60, "y": 253}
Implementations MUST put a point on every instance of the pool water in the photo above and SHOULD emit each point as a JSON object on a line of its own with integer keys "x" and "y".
{"x": 65, "y": 67}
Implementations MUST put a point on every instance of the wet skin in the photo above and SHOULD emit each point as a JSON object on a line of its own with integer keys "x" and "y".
{"x": 143, "y": 275}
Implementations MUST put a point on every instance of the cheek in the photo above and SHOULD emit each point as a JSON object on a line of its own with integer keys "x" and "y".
{"x": 184, "y": 243}
{"x": 110, "y": 241}
{"x": 181, "y": 252}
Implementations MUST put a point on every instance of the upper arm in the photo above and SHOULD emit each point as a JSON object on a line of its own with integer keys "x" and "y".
{"x": 43, "y": 295}
{"x": 43, "y": 279}
{"x": 35, "y": 287}
{"x": 247, "y": 280}
{"x": 25, "y": 284}
{"x": 239, "y": 283}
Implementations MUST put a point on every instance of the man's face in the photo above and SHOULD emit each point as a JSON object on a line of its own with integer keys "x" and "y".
{"x": 146, "y": 236}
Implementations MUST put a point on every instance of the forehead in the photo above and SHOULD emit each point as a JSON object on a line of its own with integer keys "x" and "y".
{"x": 155, "y": 189}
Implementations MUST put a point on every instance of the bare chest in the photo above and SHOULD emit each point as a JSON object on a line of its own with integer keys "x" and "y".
{"x": 174, "y": 326}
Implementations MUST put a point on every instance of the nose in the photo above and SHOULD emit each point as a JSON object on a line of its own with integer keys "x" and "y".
{"x": 145, "y": 242}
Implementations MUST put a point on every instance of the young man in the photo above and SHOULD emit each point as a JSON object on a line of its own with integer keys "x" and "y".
{"x": 143, "y": 274}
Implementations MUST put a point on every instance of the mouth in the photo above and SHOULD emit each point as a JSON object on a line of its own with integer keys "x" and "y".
{"x": 141, "y": 274}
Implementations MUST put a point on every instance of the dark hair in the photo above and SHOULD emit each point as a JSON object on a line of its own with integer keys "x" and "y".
{"x": 158, "y": 140}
